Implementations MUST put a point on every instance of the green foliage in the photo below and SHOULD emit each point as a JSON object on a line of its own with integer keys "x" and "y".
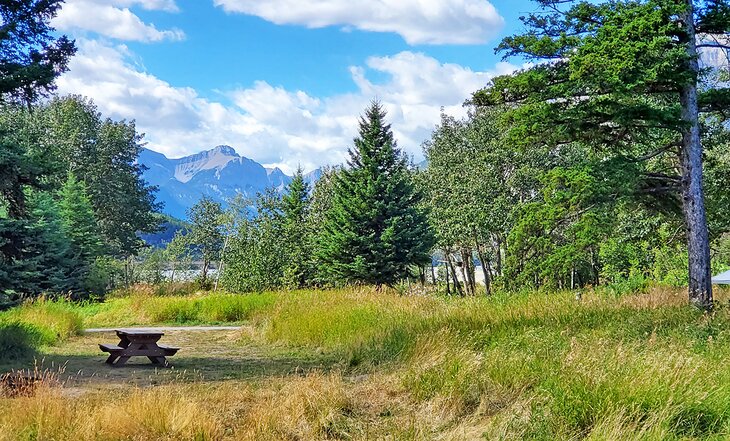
{"x": 205, "y": 234}
{"x": 622, "y": 81}
{"x": 32, "y": 55}
{"x": 258, "y": 249}
{"x": 177, "y": 253}
{"x": 61, "y": 216}
{"x": 375, "y": 230}
{"x": 98, "y": 151}
{"x": 298, "y": 271}
{"x": 36, "y": 256}
{"x": 80, "y": 226}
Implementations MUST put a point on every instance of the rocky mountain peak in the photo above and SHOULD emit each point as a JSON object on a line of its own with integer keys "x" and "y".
{"x": 219, "y": 173}
{"x": 225, "y": 150}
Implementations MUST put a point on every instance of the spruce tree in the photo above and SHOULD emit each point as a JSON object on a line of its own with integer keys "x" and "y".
{"x": 79, "y": 224}
{"x": 374, "y": 231}
{"x": 37, "y": 259}
{"x": 295, "y": 205}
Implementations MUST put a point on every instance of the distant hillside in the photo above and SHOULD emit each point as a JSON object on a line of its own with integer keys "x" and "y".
{"x": 219, "y": 173}
{"x": 168, "y": 227}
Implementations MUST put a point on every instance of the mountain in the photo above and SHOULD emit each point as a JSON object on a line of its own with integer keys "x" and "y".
{"x": 219, "y": 173}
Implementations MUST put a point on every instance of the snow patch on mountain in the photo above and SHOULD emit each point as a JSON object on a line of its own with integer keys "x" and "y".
{"x": 219, "y": 173}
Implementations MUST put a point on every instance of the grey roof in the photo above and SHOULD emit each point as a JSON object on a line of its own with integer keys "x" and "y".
{"x": 722, "y": 278}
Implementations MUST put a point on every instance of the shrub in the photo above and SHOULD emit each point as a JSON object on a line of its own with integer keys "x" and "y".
{"x": 53, "y": 321}
{"x": 18, "y": 341}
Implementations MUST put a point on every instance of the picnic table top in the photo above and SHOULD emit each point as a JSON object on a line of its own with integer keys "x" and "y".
{"x": 138, "y": 332}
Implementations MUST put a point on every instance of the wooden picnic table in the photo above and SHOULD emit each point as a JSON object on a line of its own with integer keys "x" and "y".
{"x": 134, "y": 343}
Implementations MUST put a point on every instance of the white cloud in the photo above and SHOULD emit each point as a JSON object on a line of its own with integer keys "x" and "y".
{"x": 150, "y": 5}
{"x": 268, "y": 123}
{"x": 417, "y": 21}
{"x": 112, "y": 18}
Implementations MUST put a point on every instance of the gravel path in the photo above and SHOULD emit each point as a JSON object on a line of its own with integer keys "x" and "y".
{"x": 167, "y": 328}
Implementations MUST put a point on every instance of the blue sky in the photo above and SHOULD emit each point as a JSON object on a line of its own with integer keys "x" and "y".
{"x": 282, "y": 81}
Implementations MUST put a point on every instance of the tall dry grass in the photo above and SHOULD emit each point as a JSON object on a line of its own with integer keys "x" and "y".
{"x": 531, "y": 366}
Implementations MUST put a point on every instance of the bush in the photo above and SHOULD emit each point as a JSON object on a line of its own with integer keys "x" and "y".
{"x": 19, "y": 341}
{"x": 54, "y": 321}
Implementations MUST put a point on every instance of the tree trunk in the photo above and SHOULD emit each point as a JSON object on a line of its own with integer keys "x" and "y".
{"x": 204, "y": 273}
{"x": 498, "y": 255}
{"x": 172, "y": 272}
{"x": 448, "y": 283}
{"x": 220, "y": 263}
{"x": 693, "y": 202}
{"x": 469, "y": 268}
{"x": 485, "y": 270}
{"x": 454, "y": 277}
{"x": 464, "y": 277}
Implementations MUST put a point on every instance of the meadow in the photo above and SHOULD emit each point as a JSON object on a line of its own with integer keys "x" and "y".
{"x": 360, "y": 364}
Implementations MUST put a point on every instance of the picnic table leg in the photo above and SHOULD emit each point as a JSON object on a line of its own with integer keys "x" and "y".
{"x": 111, "y": 358}
{"x": 159, "y": 360}
{"x": 122, "y": 361}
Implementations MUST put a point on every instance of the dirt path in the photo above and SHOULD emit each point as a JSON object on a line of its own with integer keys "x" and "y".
{"x": 207, "y": 354}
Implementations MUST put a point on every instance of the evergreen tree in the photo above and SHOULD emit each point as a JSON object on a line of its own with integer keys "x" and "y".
{"x": 31, "y": 57}
{"x": 623, "y": 78}
{"x": 79, "y": 221}
{"x": 31, "y": 54}
{"x": 374, "y": 231}
{"x": 41, "y": 261}
{"x": 295, "y": 206}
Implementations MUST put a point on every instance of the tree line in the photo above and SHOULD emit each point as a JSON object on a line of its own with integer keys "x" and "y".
{"x": 72, "y": 197}
{"x": 603, "y": 162}
{"x": 360, "y": 224}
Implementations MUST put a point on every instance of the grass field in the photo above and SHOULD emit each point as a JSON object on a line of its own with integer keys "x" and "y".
{"x": 356, "y": 364}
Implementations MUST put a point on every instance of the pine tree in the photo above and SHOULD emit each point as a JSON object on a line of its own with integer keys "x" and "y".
{"x": 32, "y": 55}
{"x": 40, "y": 261}
{"x": 295, "y": 205}
{"x": 374, "y": 231}
{"x": 624, "y": 78}
{"x": 79, "y": 222}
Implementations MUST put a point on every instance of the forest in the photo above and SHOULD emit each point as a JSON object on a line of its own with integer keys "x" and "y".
{"x": 560, "y": 177}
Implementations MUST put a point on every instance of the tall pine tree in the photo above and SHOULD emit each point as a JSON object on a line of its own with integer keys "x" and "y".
{"x": 374, "y": 231}
{"x": 624, "y": 78}
{"x": 79, "y": 224}
{"x": 295, "y": 205}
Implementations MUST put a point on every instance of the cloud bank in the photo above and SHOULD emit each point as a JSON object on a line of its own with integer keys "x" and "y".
{"x": 113, "y": 19}
{"x": 417, "y": 21}
{"x": 270, "y": 124}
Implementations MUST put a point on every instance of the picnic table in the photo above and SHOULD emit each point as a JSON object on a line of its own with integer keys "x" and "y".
{"x": 134, "y": 343}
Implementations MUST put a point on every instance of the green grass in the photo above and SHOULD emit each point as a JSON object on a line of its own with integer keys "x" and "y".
{"x": 41, "y": 323}
{"x": 529, "y": 366}
{"x": 25, "y": 329}
{"x": 651, "y": 370}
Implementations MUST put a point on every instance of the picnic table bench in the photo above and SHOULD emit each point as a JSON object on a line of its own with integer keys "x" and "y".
{"x": 138, "y": 343}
